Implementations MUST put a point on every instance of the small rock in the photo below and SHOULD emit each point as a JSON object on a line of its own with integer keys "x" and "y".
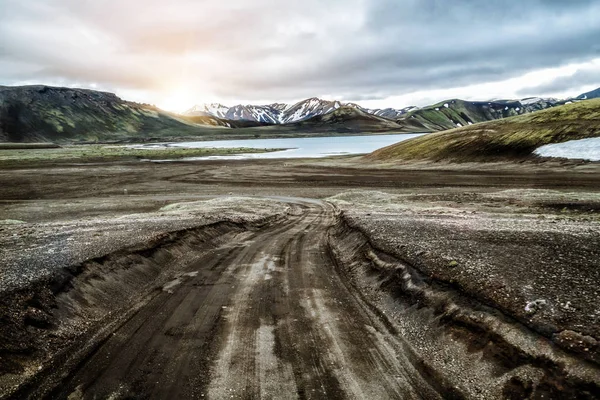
{"x": 534, "y": 306}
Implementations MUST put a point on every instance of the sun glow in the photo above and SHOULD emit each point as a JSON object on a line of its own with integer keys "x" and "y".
{"x": 178, "y": 101}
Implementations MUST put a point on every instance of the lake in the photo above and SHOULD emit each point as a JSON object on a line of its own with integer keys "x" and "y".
{"x": 313, "y": 147}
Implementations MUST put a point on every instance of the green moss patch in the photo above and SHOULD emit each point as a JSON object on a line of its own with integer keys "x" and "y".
{"x": 514, "y": 137}
{"x": 100, "y": 153}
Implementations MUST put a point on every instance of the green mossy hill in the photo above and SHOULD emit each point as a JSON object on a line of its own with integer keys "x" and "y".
{"x": 510, "y": 138}
{"x": 454, "y": 113}
{"x": 206, "y": 120}
{"x": 346, "y": 119}
{"x": 54, "y": 114}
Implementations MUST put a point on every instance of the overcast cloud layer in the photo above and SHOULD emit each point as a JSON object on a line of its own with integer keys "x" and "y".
{"x": 378, "y": 52}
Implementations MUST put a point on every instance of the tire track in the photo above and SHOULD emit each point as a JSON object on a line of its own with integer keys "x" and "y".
{"x": 163, "y": 350}
{"x": 327, "y": 343}
{"x": 266, "y": 316}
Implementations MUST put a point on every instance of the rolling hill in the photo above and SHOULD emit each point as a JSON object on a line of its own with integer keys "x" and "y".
{"x": 346, "y": 119}
{"x": 515, "y": 137}
{"x": 590, "y": 95}
{"x": 53, "y": 114}
{"x": 455, "y": 113}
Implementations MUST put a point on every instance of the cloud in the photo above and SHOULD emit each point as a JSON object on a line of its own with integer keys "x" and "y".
{"x": 582, "y": 80}
{"x": 273, "y": 50}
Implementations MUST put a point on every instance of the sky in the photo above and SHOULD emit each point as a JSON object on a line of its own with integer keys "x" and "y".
{"x": 378, "y": 53}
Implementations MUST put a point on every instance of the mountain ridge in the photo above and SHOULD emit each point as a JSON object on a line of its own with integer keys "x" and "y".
{"x": 516, "y": 137}
{"x": 455, "y": 113}
{"x": 42, "y": 113}
{"x": 275, "y": 113}
{"x": 593, "y": 94}
{"x": 281, "y": 113}
{"x": 39, "y": 113}
{"x": 346, "y": 119}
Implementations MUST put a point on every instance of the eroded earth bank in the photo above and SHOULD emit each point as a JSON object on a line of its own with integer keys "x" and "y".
{"x": 298, "y": 279}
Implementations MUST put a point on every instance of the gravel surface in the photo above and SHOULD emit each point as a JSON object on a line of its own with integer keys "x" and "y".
{"x": 540, "y": 266}
{"x": 29, "y": 251}
{"x": 519, "y": 242}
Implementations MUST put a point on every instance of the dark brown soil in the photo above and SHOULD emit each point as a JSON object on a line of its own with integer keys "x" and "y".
{"x": 306, "y": 303}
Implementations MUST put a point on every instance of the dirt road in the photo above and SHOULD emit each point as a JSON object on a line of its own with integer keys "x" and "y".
{"x": 241, "y": 297}
{"x": 264, "y": 316}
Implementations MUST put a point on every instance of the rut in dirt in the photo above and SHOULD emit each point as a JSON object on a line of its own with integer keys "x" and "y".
{"x": 265, "y": 316}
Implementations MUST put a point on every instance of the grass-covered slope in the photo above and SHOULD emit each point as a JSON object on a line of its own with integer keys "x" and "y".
{"x": 49, "y": 114}
{"x": 346, "y": 119}
{"x": 514, "y": 137}
{"x": 454, "y": 113}
{"x": 36, "y": 156}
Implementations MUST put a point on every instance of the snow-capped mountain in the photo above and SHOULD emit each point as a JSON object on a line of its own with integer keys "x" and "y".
{"x": 279, "y": 113}
{"x": 307, "y": 109}
{"x": 391, "y": 113}
{"x": 268, "y": 113}
{"x": 212, "y": 109}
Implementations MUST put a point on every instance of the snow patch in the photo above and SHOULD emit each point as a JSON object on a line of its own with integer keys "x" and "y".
{"x": 583, "y": 149}
{"x": 530, "y": 100}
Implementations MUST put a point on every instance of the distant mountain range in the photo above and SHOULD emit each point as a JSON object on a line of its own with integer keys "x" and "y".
{"x": 444, "y": 115}
{"x": 44, "y": 113}
{"x": 279, "y": 113}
